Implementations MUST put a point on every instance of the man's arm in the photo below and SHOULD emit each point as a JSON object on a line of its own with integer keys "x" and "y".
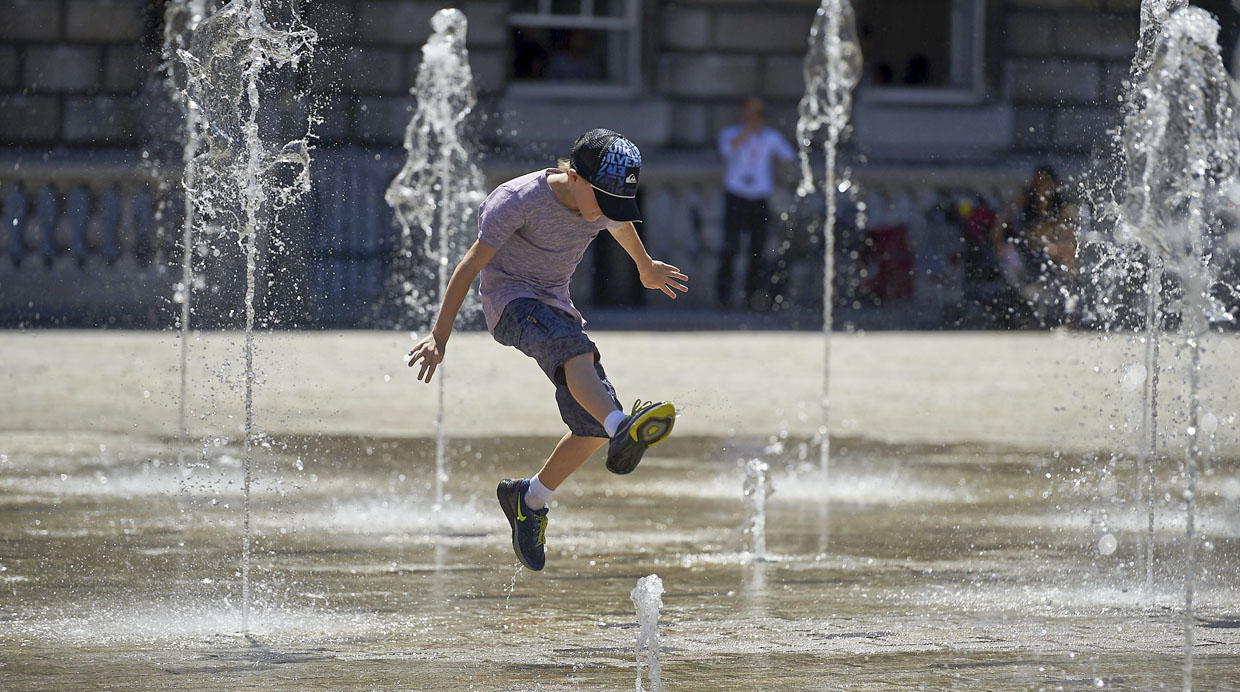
{"x": 430, "y": 350}
{"x": 654, "y": 275}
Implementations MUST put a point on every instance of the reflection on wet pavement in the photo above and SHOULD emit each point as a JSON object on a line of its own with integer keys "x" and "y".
{"x": 948, "y": 568}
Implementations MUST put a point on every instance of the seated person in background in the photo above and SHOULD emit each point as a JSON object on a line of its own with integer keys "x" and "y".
{"x": 1036, "y": 243}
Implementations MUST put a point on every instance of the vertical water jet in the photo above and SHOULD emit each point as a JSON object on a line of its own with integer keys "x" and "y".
{"x": 247, "y": 173}
{"x": 437, "y": 192}
{"x": 1182, "y": 149}
{"x": 647, "y": 596}
{"x": 832, "y": 68}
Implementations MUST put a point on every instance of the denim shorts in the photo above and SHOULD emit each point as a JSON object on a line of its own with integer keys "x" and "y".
{"x": 551, "y": 337}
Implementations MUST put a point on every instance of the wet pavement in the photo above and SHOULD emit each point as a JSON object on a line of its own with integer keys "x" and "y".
{"x": 935, "y": 567}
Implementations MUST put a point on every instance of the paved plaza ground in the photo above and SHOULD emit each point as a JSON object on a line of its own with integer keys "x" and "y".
{"x": 983, "y": 525}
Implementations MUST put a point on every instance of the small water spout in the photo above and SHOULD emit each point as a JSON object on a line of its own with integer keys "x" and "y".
{"x": 647, "y": 596}
{"x": 437, "y": 192}
{"x": 756, "y": 489}
{"x": 832, "y": 68}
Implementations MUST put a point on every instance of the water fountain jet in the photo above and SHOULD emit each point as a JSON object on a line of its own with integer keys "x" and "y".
{"x": 436, "y": 194}
{"x": 1182, "y": 151}
{"x": 832, "y": 68}
{"x": 647, "y": 596}
{"x": 241, "y": 178}
{"x": 181, "y": 18}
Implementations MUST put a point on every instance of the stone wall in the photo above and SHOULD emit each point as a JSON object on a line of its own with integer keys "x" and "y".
{"x": 714, "y": 54}
{"x": 72, "y": 71}
{"x": 1063, "y": 69}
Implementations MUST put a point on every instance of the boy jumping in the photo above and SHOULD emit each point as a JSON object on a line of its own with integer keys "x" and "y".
{"x": 532, "y": 233}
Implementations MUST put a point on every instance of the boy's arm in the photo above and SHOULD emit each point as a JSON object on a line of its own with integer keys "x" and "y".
{"x": 430, "y": 350}
{"x": 654, "y": 275}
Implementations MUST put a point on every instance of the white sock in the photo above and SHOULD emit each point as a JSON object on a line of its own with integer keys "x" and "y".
{"x": 613, "y": 421}
{"x": 538, "y": 495}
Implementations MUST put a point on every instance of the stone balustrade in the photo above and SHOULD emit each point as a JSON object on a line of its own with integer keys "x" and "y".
{"x": 98, "y": 243}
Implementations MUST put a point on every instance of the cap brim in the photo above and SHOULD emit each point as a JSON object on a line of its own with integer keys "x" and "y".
{"x": 618, "y": 208}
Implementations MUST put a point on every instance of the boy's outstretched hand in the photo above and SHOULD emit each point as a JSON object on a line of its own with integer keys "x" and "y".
{"x": 430, "y": 351}
{"x": 664, "y": 277}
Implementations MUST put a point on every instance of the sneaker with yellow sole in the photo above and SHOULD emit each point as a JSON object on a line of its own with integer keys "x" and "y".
{"x": 648, "y": 424}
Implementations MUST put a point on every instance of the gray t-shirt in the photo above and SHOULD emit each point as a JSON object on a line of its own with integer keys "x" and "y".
{"x": 538, "y": 244}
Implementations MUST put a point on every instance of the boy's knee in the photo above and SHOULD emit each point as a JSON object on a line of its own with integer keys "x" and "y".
{"x": 580, "y": 363}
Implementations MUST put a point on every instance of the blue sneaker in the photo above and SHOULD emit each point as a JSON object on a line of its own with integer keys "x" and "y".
{"x": 648, "y": 424}
{"x": 529, "y": 527}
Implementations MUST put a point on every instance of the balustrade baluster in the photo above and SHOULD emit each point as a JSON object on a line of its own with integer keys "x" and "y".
{"x": 143, "y": 247}
{"x": 109, "y": 216}
{"x": 77, "y": 213}
{"x": 14, "y": 222}
{"x": 44, "y": 226}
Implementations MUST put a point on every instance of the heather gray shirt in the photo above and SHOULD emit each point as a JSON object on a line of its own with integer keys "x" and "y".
{"x": 538, "y": 244}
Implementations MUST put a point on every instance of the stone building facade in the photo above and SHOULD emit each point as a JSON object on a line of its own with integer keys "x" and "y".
{"x": 994, "y": 87}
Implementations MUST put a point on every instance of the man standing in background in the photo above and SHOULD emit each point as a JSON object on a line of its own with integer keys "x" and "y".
{"x": 749, "y": 150}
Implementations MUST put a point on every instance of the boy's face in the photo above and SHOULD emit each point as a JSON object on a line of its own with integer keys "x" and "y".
{"x": 583, "y": 194}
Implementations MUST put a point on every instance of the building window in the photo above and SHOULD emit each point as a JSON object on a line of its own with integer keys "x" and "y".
{"x": 575, "y": 47}
{"x": 922, "y": 50}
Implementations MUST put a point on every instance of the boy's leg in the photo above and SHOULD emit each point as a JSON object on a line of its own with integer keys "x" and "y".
{"x": 587, "y": 388}
{"x": 631, "y": 435}
{"x": 569, "y": 455}
{"x": 527, "y": 515}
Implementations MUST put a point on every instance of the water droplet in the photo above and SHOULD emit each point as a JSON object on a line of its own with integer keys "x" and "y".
{"x": 1133, "y": 377}
{"x": 1209, "y": 423}
{"x": 1107, "y": 544}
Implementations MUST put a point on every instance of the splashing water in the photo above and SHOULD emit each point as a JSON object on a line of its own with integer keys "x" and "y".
{"x": 832, "y": 69}
{"x": 437, "y": 192}
{"x": 756, "y": 489}
{"x": 1182, "y": 151}
{"x": 1121, "y": 264}
{"x": 246, "y": 172}
{"x": 647, "y": 596}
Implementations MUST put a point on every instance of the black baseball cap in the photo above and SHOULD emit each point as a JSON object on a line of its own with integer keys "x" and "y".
{"x": 611, "y": 164}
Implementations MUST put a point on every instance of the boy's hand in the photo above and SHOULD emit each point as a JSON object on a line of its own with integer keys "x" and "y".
{"x": 664, "y": 277}
{"x": 430, "y": 351}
